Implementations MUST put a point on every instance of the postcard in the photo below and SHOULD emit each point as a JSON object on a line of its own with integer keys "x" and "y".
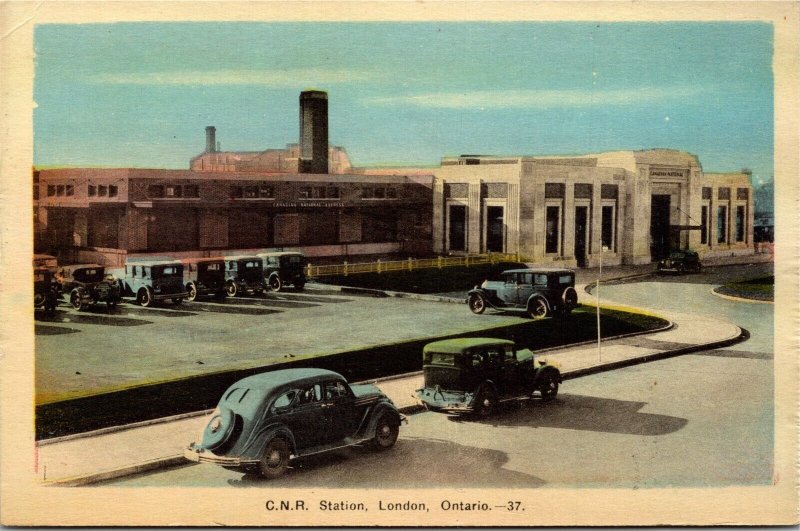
{"x": 399, "y": 264}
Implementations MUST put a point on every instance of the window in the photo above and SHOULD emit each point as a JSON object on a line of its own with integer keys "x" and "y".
{"x": 310, "y": 394}
{"x": 608, "y": 227}
{"x": 267, "y": 192}
{"x": 59, "y": 189}
{"x": 722, "y": 222}
{"x": 51, "y": 190}
{"x": 284, "y": 401}
{"x": 112, "y": 190}
{"x": 191, "y": 190}
{"x": 155, "y": 191}
{"x": 541, "y": 280}
{"x": 305, "y": 192}
{"x": 391, "y": 193}
{"x": 102, "y": 190}
{"x": 704, "y": 225}
{"x": 442, "y": 359}
{"x": 172, "y": 191}
{"x": 742, "y": 194}
{"x": 551, "y": 235}
{"x": 250, "y": 192}
{"x": 565, "y": 280}
{"x": 318, "y": 192}
{"x": 367, "y": 193}
{"x": 740, "y": 223}
{"x": 92, "y": 191}
{"x": 237, "y": 192}
{"x": 332, "y": 192}
{"x": 70, "y": 190}
{"x": 334, "y": 390}
{"x": 724, "y": 193}
{"x": 380, "y": 193}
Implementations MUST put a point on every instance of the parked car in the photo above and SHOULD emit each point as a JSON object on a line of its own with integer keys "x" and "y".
{"x": 244, "y": 274}
{"x": 264, "y": 420}
{"x": 680, "y": 262}
{"x": 473, "y": 375}
{"x": 45, "y": 289}
{"x": 282, "y": 268}
{"x": 204, "y": 276}
{"x": 539, "y": 292}
{"x": 89, "y": 284}
{"x": 154, "y": 280}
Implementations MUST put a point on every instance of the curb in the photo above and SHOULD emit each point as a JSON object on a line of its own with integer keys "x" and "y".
{"x": 738, "y": 299}
{"x": 395, "y": 294}
{"x": 97, "y": 477}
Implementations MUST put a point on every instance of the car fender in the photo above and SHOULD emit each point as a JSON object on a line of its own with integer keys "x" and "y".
{"x": 379, "y": 410}
{"x": 544, "y": 370}
{"x": 488, "y": 297}
{"x": 538, "y": 294}
{"x": 487, "y": 384}
{"x": 255, "y": 447}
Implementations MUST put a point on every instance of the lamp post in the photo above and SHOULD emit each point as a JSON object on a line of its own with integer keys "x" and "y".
{"x": 603, "y": 249}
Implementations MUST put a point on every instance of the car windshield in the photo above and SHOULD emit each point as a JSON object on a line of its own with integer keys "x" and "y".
{"x": 167, "y": 271}
{"x": 293, "y": 259}
{"x": 439, "y": 358}
{"x": 92, "y": 274}
{"x": 675, "y": 256}
{"x": 251, "y": 264}
{"x": 565, "y": 279}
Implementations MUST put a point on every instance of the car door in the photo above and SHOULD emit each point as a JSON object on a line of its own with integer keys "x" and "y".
{"x": 494, "y": 367}
{"x": 513, "y": 372}
{"x": 342, "y": 416}
{"x": 306, "y": 418}
{"x": 509, "y": 290}
{"x": 525, "y": 288}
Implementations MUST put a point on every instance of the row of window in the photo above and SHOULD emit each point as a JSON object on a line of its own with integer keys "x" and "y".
{"x": 722, "y": 224}
{"x": 173, "y": 191}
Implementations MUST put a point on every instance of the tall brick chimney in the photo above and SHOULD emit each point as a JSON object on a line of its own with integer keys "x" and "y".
{"x": 313, "y": 132}
{"x": 211, "y": 142}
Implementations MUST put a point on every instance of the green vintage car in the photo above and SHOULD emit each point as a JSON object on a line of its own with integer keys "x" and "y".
{"x": 473, "y": 375}
{"x": 264, "y": 420}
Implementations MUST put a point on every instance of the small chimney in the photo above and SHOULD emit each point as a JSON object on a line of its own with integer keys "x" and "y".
{"x": 211, "y": 142}
{"x": 313, "y": 132}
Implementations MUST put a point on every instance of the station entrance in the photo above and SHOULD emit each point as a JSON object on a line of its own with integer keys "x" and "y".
{"x": 660, "y": 234}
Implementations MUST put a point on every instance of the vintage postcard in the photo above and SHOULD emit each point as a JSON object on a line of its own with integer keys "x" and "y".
{"x": 399, "y": 264}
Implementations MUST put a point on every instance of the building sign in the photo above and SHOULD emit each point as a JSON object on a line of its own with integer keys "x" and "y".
{"x": 307, "y": 204}
{"x": 666, "y": 173}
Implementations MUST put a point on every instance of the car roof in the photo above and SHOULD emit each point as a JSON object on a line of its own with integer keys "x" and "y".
{"x": 272, "y": 379}
{"x": 539, "y": 270}
{"x": 74, "y": 267}
{"x": 280, "y": 253}
{"x": 242, "y": 257}
{"x": 454, "y": 346}
{"x": 154, "y": 262}
{"x": 202, "y": 260}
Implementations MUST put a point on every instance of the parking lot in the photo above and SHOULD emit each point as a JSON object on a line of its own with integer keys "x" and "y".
{"x": 101, "y": 350}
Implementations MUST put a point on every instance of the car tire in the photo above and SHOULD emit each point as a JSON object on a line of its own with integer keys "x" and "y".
{"x": 275, "y": 283}
{"x": 191, "y": 287}
{"x": 231, "y": 289}
{"x": 76, "y": 299}
{"x": 569, "y": 301}
{"x": 548, "y": 387}
{"x": 111, "y": 304}
{"x": 485, "y": 403}
{"x": 144, "y": 297}
{"x": 476, "y": 304}
{"x": 39, "y": 300}
{"x": 386, "y": 431}
{"x": 275, "y": 461}
{"x": 537, "y": 308}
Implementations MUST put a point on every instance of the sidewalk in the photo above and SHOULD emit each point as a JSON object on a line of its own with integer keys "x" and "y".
{"x": 116, "y": 452}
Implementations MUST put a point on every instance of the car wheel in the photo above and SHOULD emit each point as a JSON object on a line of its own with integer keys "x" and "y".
{"x": 386, "y": 432}
{"x": 38, "y": 300}
{"x": 231, "y": 289}
{"x": 111, "y": 303}
{"x": 275, "y": 283}
{"x": 275, "y": 460}
{"x": 75, "y": 300}
{"x": 538, "y": 308}
{"x": 476, "y": 304}
{"x": 177, "y": 301}
{"x": 144, "y": 297}
{"x": 570, "y": 300}
{"x": 548, "y": 387}
{"x": 192, "y": 289}
{"x": 485, "y": 403}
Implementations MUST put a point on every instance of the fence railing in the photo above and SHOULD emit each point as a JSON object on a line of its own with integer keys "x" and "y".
{"x": 411, "y": 264}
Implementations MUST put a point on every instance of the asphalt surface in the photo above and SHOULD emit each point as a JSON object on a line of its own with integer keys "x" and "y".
{"x": 704, "y": 419}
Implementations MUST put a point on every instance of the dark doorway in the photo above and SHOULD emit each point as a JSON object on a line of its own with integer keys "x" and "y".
{"x": 580, "y": 235}
{"x": 659, "y": 227}
{"x": 494, "y": 229}
{"x": 457, "y": 229}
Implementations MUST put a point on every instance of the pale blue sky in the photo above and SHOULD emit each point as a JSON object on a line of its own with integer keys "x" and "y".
{"x": 141, "y": 94}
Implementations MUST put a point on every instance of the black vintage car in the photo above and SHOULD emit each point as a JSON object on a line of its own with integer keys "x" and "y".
{"x": 89, "y": 284}
{"x": 244, "y": 274}
{"x": 538, "y": 292}
{"x": 203, "y": 277}
{"x": 473, "y": 375}
{"x": 680, "y": 262}
{"x": 282, "y": 268}
{"x": 45, "y": 289}
{"x": 264, "y": 420}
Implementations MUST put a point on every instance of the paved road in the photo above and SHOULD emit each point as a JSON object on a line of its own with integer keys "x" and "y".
{"x": 81, "y": 352}
{"x": 696, "y": 420}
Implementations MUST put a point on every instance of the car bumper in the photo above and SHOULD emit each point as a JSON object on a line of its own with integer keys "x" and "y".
{"x": 445, "y": 402}
{"x": 165, "y": 296}
{"x": 199, "y": 455}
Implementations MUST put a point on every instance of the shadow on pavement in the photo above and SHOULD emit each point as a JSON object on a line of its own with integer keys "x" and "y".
{"x": 44, "y": 330}
{"x": 235, "y": 310}
{"x": 412, "y": 463}
{"x": 114, "y": 319}
{"x": 586, "y": 413}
